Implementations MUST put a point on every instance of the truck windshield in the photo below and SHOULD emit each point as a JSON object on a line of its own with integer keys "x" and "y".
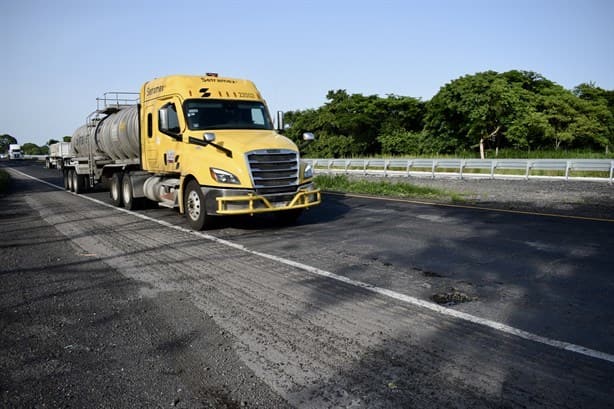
{"x": 226, "y": 114}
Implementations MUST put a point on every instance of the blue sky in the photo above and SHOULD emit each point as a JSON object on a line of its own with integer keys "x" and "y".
{"x": 58, "y": 56}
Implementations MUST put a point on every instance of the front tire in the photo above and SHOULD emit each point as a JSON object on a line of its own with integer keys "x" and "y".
{"x": 116, "y": 189}
{"x": 194, "y": 206}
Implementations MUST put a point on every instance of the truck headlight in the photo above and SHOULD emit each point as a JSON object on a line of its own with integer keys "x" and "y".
{"x": 222, "y": 176}
{"x": 308, "y": 172}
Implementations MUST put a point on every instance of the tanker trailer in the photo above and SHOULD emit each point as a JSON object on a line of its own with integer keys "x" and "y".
{"x": 202, "y": 144}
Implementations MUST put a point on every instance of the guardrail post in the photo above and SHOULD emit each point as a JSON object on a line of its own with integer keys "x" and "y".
{"x": 493, "y": 165}
{"x": 567, "y": 166}
{"x": 526, "y": 175}
{"x": 347, "y": 165}
{"x": 364, "y": 167}
{"x": 433, "y": 169}
{"x": 408, "y": 166}
{"x": 611, "y": 171}
{"x": 460, "y": 170}
{"x": 386, "y": 162}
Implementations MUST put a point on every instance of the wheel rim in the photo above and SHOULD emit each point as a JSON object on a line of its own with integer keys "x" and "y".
{"x": 114, "y": 189}
{"x": 126, "y": 191}
{"x": 193, "y": 205}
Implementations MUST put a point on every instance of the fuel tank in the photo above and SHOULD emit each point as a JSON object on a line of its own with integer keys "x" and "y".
{"x": 115, "y": 136}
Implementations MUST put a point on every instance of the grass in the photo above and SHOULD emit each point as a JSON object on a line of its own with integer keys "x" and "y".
{"x": 4, "y": 180}
{"x": 342, "y": 183}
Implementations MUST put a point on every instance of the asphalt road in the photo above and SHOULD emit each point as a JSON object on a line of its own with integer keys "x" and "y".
{"x": 337, "y": 311}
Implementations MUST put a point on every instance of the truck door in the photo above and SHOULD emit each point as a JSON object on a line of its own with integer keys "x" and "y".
{"x": 163, "y": 136}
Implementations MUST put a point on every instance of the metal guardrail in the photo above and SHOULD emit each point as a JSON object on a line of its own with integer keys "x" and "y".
{"x": 471, "y": 168}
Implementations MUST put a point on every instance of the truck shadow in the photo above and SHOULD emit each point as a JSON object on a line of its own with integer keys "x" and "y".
{"x": 332, "y": 208}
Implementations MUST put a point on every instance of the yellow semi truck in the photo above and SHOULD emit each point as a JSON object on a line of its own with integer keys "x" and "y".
{"x": 203, "y": 144}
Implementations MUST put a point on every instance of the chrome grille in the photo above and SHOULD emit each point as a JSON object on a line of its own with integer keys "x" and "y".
{"x": 274, "y": 173}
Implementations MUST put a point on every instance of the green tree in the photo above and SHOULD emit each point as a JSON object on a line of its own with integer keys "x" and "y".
{"x": 599, "y": 105}
{"x": 475, "y": 109}
{"x": 521, "y": 109}
{"x": 350, "y": 125}
{"x": 33, "y": 149}
{"x": 5, "y": 141}
{"x": 51, "y": 142}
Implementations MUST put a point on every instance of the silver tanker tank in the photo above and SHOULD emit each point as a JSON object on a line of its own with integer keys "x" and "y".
{"x": 81, "y": 139}
{"x": 117, "y": 136}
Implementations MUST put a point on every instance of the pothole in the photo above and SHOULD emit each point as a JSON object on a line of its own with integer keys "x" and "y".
{"x": 431, "y": 274}
{"x": 452, "y": 297}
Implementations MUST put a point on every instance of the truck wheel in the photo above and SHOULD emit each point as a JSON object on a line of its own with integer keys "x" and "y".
{"x": 194, "y": 206}
{"x": 65, "y": 173}
{"x": 116, "y": 189}
{"x": 130, "y": 202}
{"x": 78, "y": 184}
{"x": 71, "y": 178}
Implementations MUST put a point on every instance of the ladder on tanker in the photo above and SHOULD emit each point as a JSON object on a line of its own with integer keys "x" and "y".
{"x": 109, "y": 103}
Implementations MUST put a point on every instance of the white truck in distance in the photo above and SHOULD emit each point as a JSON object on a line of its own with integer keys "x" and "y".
{"x": 15, "y": 151}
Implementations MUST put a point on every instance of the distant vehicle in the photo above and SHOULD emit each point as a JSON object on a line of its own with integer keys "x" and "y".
{"x": 15, "y": 151}
{"x": 57, "y": 152}
{"x": 2, "y": 156}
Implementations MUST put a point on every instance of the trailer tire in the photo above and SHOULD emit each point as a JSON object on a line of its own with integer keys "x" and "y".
{"x": 194, "y": 206}
{"x": 116, "y": 189}
{"x": 78, "y": 183}
{"x": 130, "y": 202}
{"x": 70, "y": 177}
{"x": 65, "y": 173}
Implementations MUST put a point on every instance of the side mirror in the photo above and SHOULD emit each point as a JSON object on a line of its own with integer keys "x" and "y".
{"x": 280, "y": 121}
{"x": 309, "y": 137}
{"x": 209, "y": 137}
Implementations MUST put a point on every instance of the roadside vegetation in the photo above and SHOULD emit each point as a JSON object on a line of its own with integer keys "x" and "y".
{"x": 507, "y": 153}
{"x": 4, "y": 180}
{"x": 515, "y": 114}
{"x": 345, "y": 184}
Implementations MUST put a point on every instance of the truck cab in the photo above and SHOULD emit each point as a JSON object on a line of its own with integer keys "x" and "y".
{"x": 212, "y": 143}
{"x": 15, "y": 151}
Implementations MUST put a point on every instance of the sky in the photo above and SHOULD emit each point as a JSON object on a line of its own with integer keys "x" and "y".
{"x": 58, "y": 56}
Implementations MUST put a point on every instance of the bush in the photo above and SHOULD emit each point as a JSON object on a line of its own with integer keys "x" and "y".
{"x": 335, "y": 146}
{"x": 401, "y": 142}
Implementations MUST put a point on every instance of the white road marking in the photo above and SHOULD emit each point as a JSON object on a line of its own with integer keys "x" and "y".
{"x": 567, "y": 346}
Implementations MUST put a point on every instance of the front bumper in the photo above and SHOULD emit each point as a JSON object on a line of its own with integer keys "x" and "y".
{"x": 237, "y": 201}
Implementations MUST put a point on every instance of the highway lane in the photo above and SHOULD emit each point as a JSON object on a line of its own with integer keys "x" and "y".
{"x": 547, "y": 275}
{"x": 525, "y": 271}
